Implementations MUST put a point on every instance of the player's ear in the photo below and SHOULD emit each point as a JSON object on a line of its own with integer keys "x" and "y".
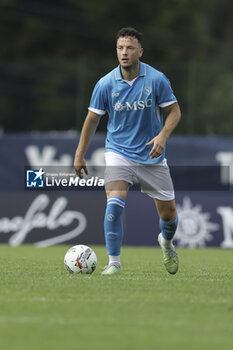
{"x": 141, "y": 52}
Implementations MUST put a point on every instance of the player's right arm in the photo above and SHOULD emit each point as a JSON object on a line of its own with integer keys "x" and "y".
{"x": 87, "y": 133}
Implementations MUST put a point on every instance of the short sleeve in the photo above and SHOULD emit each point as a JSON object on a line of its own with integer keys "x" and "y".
{"x": 98, "y": 98}
{"x": 165, "y": 95}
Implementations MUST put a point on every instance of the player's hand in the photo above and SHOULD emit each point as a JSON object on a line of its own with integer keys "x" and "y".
{"x": 158, "y": 143}
{"x": 79, "y": 166}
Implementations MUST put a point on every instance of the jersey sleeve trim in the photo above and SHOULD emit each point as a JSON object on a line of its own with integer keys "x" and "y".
{"x": 97, "y": 111}
{"x": 165, "y": 104}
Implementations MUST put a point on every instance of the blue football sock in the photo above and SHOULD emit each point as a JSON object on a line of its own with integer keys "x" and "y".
{"x": 113, "y": 225}
{"x": 168, "y": 228}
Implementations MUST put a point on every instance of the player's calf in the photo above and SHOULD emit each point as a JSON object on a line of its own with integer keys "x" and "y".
{"x": 113, "y": 228}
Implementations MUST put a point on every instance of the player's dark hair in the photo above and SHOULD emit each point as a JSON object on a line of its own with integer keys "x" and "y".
{"x": 129, "y": 31}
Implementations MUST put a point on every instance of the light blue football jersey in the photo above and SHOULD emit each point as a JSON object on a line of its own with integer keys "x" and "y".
{"x": 135, "y": 111}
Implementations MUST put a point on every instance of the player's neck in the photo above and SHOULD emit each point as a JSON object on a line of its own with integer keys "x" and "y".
{"x": 130, "y": 73}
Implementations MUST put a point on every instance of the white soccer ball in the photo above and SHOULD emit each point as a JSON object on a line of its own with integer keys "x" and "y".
{"x": 80, "y": 259}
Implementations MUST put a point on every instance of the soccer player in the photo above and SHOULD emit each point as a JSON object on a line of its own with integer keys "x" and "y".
{"x": 134, "y": 95}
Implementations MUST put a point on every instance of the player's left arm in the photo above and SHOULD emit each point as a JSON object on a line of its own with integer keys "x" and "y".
{"x": 173, "y": 117}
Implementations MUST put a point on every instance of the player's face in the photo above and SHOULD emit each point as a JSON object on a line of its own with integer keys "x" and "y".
{"x": 129, "y": 51}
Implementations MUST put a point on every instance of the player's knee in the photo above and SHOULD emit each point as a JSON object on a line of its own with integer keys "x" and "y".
{"x": 168, "y": 213}
{"x": 116, "y": 193}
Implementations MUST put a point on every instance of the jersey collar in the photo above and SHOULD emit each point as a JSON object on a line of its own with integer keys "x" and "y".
{"x": 142, "y": 71}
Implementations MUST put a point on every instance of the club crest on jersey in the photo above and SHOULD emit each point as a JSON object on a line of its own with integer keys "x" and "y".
{"x": 147, "y": 90}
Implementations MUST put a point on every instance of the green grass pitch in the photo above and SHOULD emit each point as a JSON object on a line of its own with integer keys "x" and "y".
{"x": 43, "y": 307}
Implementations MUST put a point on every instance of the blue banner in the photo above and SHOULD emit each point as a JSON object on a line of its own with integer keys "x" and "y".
{"x": 201, "y": 167}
